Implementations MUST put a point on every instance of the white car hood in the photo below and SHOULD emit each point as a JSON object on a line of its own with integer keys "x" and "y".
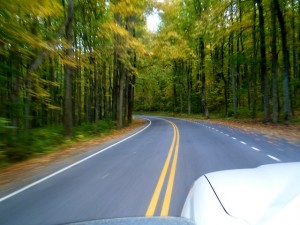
{"x": 267, "y": 195}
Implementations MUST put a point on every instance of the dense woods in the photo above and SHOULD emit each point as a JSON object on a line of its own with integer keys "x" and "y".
{"x": 232, "y": 58}
{"x": 68, "y": 63}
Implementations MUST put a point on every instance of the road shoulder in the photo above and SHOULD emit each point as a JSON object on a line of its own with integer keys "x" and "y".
{"x": 290, "y": 133}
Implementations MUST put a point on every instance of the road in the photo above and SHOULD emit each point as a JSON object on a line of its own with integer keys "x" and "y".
{"x": 147, "y": 174}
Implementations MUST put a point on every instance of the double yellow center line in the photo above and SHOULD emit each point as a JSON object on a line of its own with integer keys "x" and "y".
{"x": 167, "y": 199}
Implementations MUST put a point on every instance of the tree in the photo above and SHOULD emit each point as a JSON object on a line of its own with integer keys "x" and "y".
{"x": 286, "y": 63}
{"x": 199, "y": 7}
{"x": 68, "y": 119}
{"x": 274, "y": 65}
{"x": 263, "y": 60}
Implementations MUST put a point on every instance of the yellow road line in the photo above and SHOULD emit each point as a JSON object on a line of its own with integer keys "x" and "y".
{"x": 168, "y": 195}
{"x": 154, "y": 200}
{"x": 156, "y": 194}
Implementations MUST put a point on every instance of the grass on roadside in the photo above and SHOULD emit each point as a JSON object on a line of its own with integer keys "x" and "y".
{"x": 17, "y": 145}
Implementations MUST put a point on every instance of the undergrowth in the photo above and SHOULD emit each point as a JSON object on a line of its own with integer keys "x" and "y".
{"x": 18, "y": 144}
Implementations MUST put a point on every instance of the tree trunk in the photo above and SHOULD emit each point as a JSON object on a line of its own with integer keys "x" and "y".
{"x": 174, "y": 95}
{"x": 297, "y": 76}
{"x": 224, "y": 79}
{"x": 68, "y": 119}
{"x": 254, "y": 63}
{"x": 79, "y": 93}
{"x": 263, "y": 61}
{"x": 294, "y": 59}
{"x": 96, "y": 89}
{"x": 286, "y": 63}
{"x": 104, "y": 91}
{"x": 125, "y": 100}
{"x": 189, "y": 86}
{"x": 274, "y": 66}
{"x": 180, "y": 75}
{"x": 130, "y": 100}
{"x": 115, "y": 87}
{"x": 232, "y": 75}
{"x": 120, "y": 114}
{"x": 203, "y": 78}
{"x": 232, "y": 65}
{"x": 131, "y": 90}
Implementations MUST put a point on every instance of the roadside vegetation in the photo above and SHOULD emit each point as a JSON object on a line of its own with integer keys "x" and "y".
{"x": 18, "y": 145}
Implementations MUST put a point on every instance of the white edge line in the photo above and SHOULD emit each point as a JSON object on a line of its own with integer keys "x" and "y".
{"x": 244, "y": 143}
{"x": 70, "y": 166}
{"x": 274, "y": 158}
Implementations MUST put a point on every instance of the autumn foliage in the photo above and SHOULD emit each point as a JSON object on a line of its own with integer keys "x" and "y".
{"x": 70, "y": 63}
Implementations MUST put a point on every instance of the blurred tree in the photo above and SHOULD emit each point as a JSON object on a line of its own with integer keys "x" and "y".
{"x": 68, "y": 116}
{"x": 57, "y": 61}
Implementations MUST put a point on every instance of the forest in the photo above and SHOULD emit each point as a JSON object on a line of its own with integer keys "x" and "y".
{"x": 70, "y": 67}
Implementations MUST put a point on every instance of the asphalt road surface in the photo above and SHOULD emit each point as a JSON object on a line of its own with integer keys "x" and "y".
{"x": 147, "y": 174}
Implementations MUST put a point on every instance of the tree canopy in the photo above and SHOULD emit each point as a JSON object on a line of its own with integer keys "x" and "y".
{"x": 217, "y": 57}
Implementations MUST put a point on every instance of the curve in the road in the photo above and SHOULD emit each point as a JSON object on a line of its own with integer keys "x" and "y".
{"x": 173, "y": 153}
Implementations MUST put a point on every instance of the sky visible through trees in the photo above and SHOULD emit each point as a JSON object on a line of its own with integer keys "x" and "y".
{"x": 153, "y": 21}
{"x": 69, "y": 63}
